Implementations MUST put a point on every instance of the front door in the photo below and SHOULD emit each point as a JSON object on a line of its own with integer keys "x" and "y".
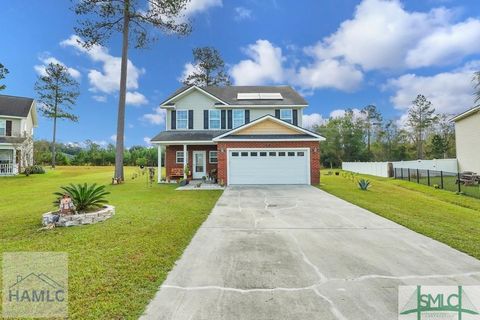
{"x": 199, "y": 164}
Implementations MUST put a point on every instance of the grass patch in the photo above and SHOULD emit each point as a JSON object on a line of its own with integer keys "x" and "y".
{"x": 116, "y": 266}
{"x": 439, "y": 214}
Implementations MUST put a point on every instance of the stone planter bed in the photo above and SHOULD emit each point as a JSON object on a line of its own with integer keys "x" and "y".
{"x": 79, "y": 219}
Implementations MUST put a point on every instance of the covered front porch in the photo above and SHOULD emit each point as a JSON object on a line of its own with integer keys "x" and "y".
{"x": 200, "y": 159}
{"x": 8, "y": 163}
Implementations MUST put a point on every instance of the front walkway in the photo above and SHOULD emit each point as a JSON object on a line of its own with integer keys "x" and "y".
{"x": 296, "y": 252}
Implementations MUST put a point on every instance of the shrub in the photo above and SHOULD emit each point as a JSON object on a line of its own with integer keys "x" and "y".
{"x": 85, "y": 197}
{"x": 182, "y": 182}
{"x": 141, "y": 162}
{"x": 34, "y": 170}
{"x": 363, "y": 184}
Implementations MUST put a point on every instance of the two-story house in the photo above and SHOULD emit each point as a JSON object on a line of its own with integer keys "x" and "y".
{"x": 18, "y": 117}
{"x": 248, "y": 134}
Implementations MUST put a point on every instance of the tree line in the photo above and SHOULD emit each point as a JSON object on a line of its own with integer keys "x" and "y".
{"x": 367, "y": 136}
{"x": 93, "y": 154}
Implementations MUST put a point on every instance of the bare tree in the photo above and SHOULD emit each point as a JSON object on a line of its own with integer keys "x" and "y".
{"x": 209, "y": 69}
{"x": 373, "y": 119}
{"x": 57, "y": 92}
{"x": 133, "y": 19}
{"x": 3, "y": 72}
{"x": 421, "y": 117}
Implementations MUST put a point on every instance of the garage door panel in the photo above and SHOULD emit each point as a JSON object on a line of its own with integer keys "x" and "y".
{"x": 269, "y": 169}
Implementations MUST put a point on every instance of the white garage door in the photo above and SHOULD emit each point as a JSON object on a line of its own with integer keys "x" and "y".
{"x": 275, "y": 166}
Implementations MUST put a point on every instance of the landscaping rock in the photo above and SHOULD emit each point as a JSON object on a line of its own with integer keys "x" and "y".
{"x": 78, "y": 219}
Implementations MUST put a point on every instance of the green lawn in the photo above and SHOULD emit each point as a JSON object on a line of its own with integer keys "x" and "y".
{"x": 439, "y": 214}
{"x": 116, "y": 266}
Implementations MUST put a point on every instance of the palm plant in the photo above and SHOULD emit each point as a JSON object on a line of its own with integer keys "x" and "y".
{"x": 85, "y": 196}
{"x": 363, "y": 184}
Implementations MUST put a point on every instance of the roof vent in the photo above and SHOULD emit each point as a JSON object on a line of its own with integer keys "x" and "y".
{"x": 259, "y": 96}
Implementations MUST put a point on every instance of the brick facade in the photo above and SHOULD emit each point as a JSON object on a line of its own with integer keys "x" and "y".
{"x": 314, "y": 147}
{"x": 170, "y": 157}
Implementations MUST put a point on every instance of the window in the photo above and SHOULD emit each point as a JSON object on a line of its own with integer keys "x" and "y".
{"x": 300, "y": 154}
{"x": 263, "y": 154}
{"x": 238, "y": 118}
{"x": 3, "y": 127}
{"x": 253, "y": 154}
{"x": 182, "y": 119}
{"x": 281, "y": 154}
{"x": 213, "y": 157}
{"x": 286, "y": 115}
{"x": 272, "y": 154}
{"x": 291, "y": 154}
{"x": 214, "y": 119}
{"x": 244, "y": 154}
{"x": 179, "y": 157}
{"x": 234, "y": 154}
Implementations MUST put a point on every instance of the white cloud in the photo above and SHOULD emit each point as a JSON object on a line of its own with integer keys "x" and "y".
{"x": 108, "y": 79}
{"x": 135, "y": 98}
{"x": 40, "y": 69}
{"x": 449, "y": 92}
{"x": 309, "y": 121}
{"x": 147, "y": 140}
{"x": 197, "y": 6}
{"x": 383, "y": 35}
{"x": 188, "y": 69}
{"x": 99, "y": 98}
{"x": 157, "y": 117}
{"x": 113, "y": 137}
{"x": 329, "y": 73}
{"x": 242, "y": 13}
{"x": 264, "y": 65}
{"x": 338, "y": 113}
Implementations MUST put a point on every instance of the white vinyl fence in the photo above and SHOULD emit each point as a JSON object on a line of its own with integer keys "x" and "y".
{"x": 380, "y": 169}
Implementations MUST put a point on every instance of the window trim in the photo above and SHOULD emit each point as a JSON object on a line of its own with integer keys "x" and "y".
{"x": 177, "y": 118}
{"x": 289, "y": 120}
{"x": 210, "y": 156}
{"x": 4, "y": 121}
{"x": 233, "y": 118}
{"x": 219, "y": 119}
{"x": 176, "y": 157}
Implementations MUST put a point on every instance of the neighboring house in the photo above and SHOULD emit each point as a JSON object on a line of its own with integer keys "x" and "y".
{"x": 247, "y": 134}
{"x": 18, "y": 117}
{"x": 467, "y": 138}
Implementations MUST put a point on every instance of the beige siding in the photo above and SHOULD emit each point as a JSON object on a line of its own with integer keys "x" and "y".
{"x": 467, "y": 132}
{"x": 16, "y": 126}
{"x": 267, "y": 127}
{"x": 198, "y": 102}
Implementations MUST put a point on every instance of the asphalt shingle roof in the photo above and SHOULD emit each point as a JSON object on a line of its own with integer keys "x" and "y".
{"x": 229, "y": 95}
{"x": 15, "y": 106}
{"x": 188, "y": 135}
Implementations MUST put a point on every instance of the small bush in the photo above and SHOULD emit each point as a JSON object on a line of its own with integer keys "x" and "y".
{"x": 34, "y": 170}
{"x": 363, "y": 184}
{"x": 85, "y": 197}
{"x": 436, "y": 186}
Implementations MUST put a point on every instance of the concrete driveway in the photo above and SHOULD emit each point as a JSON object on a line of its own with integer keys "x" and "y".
{"x": 296, "y": 252}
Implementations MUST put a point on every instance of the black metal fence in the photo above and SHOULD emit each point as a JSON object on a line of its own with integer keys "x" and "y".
{"x": 439, "y": 179}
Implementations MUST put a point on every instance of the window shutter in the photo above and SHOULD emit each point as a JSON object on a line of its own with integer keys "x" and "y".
{"x": 247, "y": 116}
{"x": 295, "y": 117}
{"x": 224, "y": 122}
{"x": 190, "y": 119}
{"x": 205, "y": 119}
{"x": 173, "y": 122}
{"x": 230, "y": 119}
{"x": 9, "y": 128}
{"x": 277, "y": 113}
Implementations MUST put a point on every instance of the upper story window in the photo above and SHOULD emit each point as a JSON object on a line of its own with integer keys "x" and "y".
{"x": 3, "y": 127}
{"x": 238, "y": 118}
{"x": 214, "y": 119}
{"x": 286, "y": 115}
{"x": 182, "y": 119}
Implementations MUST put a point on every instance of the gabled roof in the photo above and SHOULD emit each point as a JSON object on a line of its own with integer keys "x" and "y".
{"x": 15, "y": 106}
{"x": 306, "y": 134}
{"x": 466, "y": 113}
{"x": 228, "y": 95}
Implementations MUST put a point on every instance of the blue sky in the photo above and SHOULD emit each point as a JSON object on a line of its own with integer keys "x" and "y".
{"x": 339, "y": 54}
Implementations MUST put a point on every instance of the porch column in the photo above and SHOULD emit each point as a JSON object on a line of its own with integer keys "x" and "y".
{"x": 185, "y": 160}
{"x": 159, "y": 166}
